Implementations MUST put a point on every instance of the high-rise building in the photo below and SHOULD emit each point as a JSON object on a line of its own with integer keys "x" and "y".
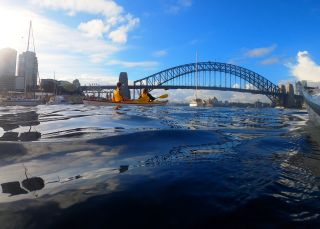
{"x": 8, "y": 60}
{"x": 289, "y": 89}
{"x": 298, "y": 86}
{"x": 28, "y": 68}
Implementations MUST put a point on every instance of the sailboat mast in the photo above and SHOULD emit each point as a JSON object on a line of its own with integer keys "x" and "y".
{"x": 29, "y": 36}
{"x": 25, "y": 63}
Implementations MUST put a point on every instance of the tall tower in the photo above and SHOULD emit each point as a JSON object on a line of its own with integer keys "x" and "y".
{"x": 28, "y": 67}
{"x": 8, "y": 60}
{"x": 123, "y": 78}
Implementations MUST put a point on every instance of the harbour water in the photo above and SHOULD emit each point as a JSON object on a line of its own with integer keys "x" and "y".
{"x": 158, "y": 167}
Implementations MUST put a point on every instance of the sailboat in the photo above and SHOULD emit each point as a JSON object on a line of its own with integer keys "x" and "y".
{"x": 24, "y": 101}
{"x": 196, "y": 102}
{"x": 56, "y": 99}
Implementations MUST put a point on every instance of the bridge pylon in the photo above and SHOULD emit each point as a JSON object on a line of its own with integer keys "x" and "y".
{"x": 123, "y": 79}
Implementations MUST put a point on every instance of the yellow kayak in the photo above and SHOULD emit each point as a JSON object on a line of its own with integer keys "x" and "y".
{"x": 130, "y": 102}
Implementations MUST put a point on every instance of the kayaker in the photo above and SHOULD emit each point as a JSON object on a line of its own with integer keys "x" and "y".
{"x": 146, "y": 96}
{"x": 117, "y": 97}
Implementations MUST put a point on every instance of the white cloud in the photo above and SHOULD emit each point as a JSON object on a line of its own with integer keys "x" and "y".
{"x": 128, "y": 64}
{"x": 120, "y": 34}
{"x": 179, "y": 5}
{"x": 305, "y": 68}
{"x": 106, "y": 7}
{"x": 116, "y": 24}
{"x": 236, "y": 85}
{"x": 70, "y": 67}
{"x": 93, "y": 28}
{"x": 59, "y": 48}
{"x": 250, "y": 86}
{"x": 53, "y": 37}
{"x": 87, "y": 79}
{"x": 186, "y": 96}
{"x": 97, "y": 57}
{"x": 246, "y": 97}
{"x": 259, "y": 52}
{"x": 270, "y": 61}
{"x": 160, "y": 53}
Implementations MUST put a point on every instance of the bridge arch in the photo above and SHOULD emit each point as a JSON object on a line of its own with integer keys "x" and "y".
{"x": 235, "y": 78}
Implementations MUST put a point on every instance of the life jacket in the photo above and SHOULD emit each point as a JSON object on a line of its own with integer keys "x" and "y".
{"x": 144, "y": 97}
{"x": 117, "y": 97}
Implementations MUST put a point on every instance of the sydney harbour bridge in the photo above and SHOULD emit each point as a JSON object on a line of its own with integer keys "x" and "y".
{"x": 208, "y": 76}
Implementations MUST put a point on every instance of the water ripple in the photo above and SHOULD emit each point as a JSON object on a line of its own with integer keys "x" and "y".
{"x": 180, "y": 167}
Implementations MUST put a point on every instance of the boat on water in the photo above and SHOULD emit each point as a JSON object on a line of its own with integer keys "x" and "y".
{"x": 56, "y": 100}
{"x": 312, "y": 99}
{"x": 124, "y": 103}
{"x": 196, "y": 102}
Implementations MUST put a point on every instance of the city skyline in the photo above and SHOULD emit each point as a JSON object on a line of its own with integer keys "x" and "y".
{"x": 14, "y": 68}
{"x": 94, "y": 41}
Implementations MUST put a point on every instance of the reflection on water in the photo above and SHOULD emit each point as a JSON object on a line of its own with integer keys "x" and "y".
{"x": 12, "y": 121}
{"x": 93, "y": 167}
{"x": 28, "y": 185}
{"x": 24, "y": 136}
{"x": 9, "y": 122}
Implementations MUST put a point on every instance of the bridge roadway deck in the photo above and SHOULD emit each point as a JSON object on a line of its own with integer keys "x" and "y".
{"x": 165, "y": 87}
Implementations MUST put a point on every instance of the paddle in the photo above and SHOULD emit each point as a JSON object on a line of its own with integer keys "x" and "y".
{"x": 162, "y": 96}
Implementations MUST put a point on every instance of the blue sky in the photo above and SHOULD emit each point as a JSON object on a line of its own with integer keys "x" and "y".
{"x": 227, "y": 31}
{"x": 94, "y": 40}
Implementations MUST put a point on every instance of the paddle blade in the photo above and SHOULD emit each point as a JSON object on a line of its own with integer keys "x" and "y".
{"x": 163, "y": 96}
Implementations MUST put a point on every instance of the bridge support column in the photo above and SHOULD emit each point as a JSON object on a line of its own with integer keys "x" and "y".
{"x": 123, "y": 78}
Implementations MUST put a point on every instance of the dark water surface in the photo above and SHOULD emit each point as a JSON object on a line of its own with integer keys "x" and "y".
{"x": 161, "y": 167}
